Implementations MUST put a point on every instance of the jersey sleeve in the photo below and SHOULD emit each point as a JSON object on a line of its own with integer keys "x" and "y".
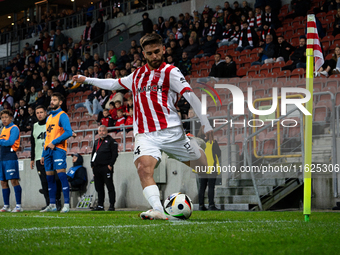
{"x": 178, "y": 82}
{"x": 112, "y": 84}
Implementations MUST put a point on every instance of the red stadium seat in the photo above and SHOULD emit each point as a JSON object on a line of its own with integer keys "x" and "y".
{"x": 242, "y": 71}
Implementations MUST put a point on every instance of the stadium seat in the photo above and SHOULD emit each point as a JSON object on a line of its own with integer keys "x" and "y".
{"x": 242, "y": 71}
{"x": 253, "y": 70}
{"x": 298, "y": 73}
{"x": 322, "y": 111}
{"x": 328, "y": 96}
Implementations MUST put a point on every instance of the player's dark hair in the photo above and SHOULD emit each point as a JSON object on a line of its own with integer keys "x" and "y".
{"x": 41, "y": 107}
{"x": 8, "y": 112}
{"x": 151, "y": 39}
{"x": 59, "y": 96}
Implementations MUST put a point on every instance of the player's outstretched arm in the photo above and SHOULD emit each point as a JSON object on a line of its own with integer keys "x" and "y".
{"x": 107, "y": 84}
{"x": 197, "y": 106}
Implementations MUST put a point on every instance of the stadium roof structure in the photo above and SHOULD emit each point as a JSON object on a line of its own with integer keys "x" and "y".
{"x": 8, "y": 6}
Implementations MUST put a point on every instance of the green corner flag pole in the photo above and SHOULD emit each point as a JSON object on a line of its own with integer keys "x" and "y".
{"x": 307, "y": 192}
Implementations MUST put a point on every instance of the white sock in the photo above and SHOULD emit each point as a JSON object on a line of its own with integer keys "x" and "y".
{"x": 53, "y": 205}
{"x": 151, "y": 193}
{"x": 6, "y": 206}
{"x": 19, "y": 206}
{"x": 67, "y": 205}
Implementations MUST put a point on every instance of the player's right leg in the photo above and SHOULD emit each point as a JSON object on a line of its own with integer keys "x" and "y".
{"x": 52, "y": 187}
{"x": 145, "y": 168}
{"x": 5, "y": 195}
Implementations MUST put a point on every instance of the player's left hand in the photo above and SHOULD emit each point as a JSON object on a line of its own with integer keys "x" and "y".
{"x": 109, "y": 167}
{"x": 79, "y": 78}
{"x": 51, "y": 146}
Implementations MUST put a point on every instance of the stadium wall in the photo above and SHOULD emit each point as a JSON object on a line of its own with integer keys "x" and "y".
{"x": 171, "y": 176}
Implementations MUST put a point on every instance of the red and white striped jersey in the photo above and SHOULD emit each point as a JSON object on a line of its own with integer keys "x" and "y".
{"x": 155, "y": 94}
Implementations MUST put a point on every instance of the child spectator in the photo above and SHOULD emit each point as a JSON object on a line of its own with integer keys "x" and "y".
{"x": 120, "y": 120}
{"x": 129, "y": 120}
{"x": 106, "y": 120}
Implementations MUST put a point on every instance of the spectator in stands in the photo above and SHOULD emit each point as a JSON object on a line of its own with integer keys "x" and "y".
{"x": 266, "y": 29}
{"x": 39, "y": 42}
{"x": 170, "y": 60}
{"x": 40, "y": 99}
{"x": 230, "y": 67}
{"x": 62, "y": 77}
{"x": 33, "y": 96}
{"x": 218, "y": 68}
{"x": 96, "y": 72}
{"x": 215, "y": 29}
{"x": 89, "y": 102}
{"x": 246, "y": 8}
{"x": 30, "y": 119}
{"x": 112, "y": 58}
{"x": 336, "y": 24}
{"x": 20, "y": 120}
{"x": 98, "y": 30}
{"x": 209, "y": 47}
{"x": 122, "y": 60}
{"x": 298, "y": 57}
{"x": 267, "y": 52}
{"x": 59, "y": 39}
{"x": 227, "y": 33}
{"x": 185, "y": 64}
{"x": 77, "y": 175}
{"x": 284, "y": 49}
{"x": 88, "y": 34}
{"x": 59, "y": 88}
{"x": 88, "y": 61}
{"x": 248, "y": 38}
{"x": 330, "y": 66}
{"x": 6, "y": 97}
{"x": 118, "y": 106}
{"x": 106, "y": 119}
{"x": 120, "y": 120}
{"x": 46, "y": 41}
{"x": 205, "y": 31}
{"x": 147, "y": 24}
{"x": 269, "y": 17}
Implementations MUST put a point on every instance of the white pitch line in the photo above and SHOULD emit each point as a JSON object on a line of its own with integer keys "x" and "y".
{"x": 134, "y": 226}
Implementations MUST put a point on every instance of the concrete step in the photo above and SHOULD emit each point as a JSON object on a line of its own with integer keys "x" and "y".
{"x": 227, "y": 207}
{"x": 222, "y": 191}
{"x": 259, "y": 182}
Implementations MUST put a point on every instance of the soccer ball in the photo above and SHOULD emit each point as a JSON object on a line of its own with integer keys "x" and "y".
{"x": 178, "y": 205}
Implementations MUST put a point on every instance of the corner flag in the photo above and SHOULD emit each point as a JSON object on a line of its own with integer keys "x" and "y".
{"x": 313, "y": 50}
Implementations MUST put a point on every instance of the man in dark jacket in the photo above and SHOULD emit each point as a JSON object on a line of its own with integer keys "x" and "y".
{"x": 104, "y": 155}
{"x": 147, "y": 24}
{"x": 123, "y": 59}
{"x": 192, "y": 49}
{"x": 230, "y": 67}
{"x": 98, "y": 30}
{"x": 209, "y": 47}
{"x": 77, "y": 175}
{"x": 267, "y": 52}
{"x": 298, "y": 57}
{"x": 248, "y": 38}
{"x": 217, "y": 69}
{"x": 185, "y": 64}
{"x": 284, "y": 49}
{"x": 88, "y": 61}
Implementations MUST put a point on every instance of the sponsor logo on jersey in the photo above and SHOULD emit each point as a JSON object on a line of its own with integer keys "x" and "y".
{"x": 150, "y": 88}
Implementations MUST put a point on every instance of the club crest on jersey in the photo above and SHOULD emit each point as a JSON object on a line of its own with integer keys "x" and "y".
{"x": 154, "y": 88}
{"x": 157, "y": 74}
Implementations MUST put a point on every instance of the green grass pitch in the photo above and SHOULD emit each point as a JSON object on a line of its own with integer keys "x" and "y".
{"x": 122, "y": 232}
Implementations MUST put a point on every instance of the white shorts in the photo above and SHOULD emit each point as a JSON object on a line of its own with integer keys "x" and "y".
{"x": 172, "y": 141}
